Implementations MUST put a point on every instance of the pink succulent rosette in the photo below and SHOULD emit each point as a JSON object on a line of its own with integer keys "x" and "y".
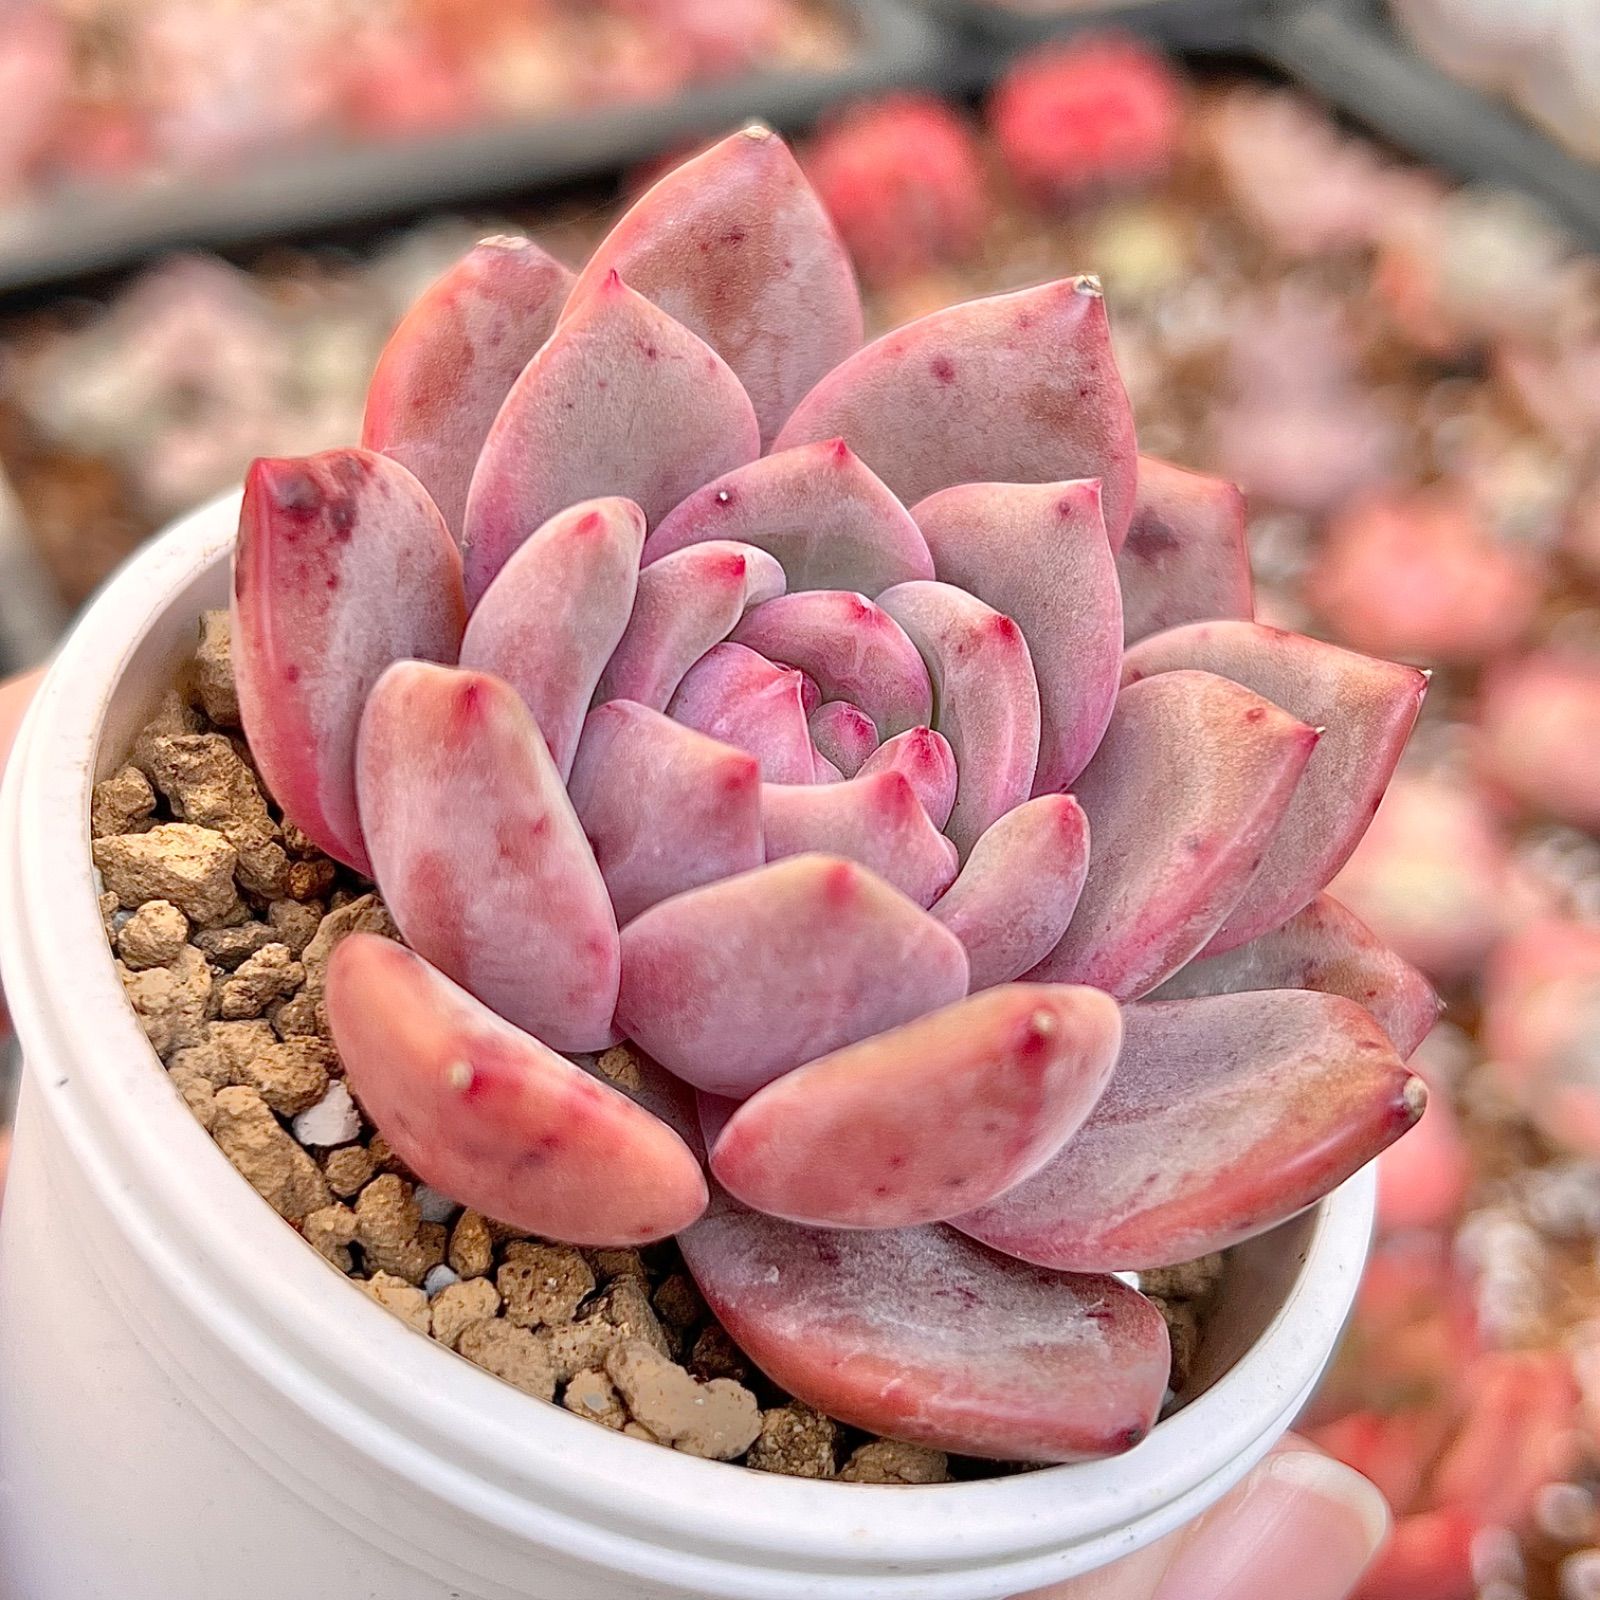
{"x": 876, "y": 743}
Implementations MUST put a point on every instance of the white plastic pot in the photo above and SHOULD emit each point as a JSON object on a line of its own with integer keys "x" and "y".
{"x": 193, "y": 1405}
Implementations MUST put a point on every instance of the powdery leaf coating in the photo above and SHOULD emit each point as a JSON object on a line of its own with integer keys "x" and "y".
{"x": 1226, "y": 1115}
{"x": 1038, "y": 554}
{"x": 924, "y": 1121}
{"x": 736, "y": 983}
{"x": 850, "y": 648}
{"x": 844, "y": 736}
{"x": 550, "y": 620}
{"x": 704, "y": 819}
{"x": 1185, "y": 559}
{"x": 734, "y": 695}
{"x": 1224, "y": 764}
{"x": 684, "y": 604}
{"x": 736, "y": 246}
{"x": 491, "y": 1117}
{"x": 922, "y": 1335}
{"x": 343, "y": 566}
{"x": 988, "y": 701}
{"x": 449, "y": 365}
{"x": 483, "y": 862}
{"x": 1329, "y": 949}
{"x": 925, "y": 757}
{"x": 1015, "y": 897}
{"x": 818, "y": 509}
{"x": 1366, "y": 708}
{"x": 622, "y": 400}
{"x": 875, "y": 818}
{"x": 1016, "y": 388}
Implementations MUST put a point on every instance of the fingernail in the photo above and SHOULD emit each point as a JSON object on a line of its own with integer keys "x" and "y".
{"x": 1304, "y": 1525}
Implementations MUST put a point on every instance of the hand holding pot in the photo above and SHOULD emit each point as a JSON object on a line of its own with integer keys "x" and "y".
{"x": 1300, "y": 1524}
{"x": 14, "y": 697}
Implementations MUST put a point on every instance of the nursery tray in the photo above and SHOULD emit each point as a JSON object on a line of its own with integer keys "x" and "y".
{"x": 1224, "y": 26}
{"x": 1351, "y": 52}
{"x": 84, "y": 231}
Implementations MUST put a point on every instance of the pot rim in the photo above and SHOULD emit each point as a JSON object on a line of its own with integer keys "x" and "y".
{"x": 342, "y": 1360}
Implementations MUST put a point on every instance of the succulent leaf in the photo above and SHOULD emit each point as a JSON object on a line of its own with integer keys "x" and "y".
{"x": 1016, "y": 894}
{"x": 704, "y": 822}
{"x": 988, "y": 700}
{"x": 1327, "y": 948}
{"x": 685, "y": 603}
{"x": 875, "y": 818}
{"x": 621, "y": 400}
{"x": 448, "y": 367}
{"x": 923, "y": 1335}
{"x": 925, "y": 757}
{"x": 1183, "y": 797}
{"x": 1017, "y": 388}
{"x": 735, "y": 245}
{"x": 850, "y": 648}
{"x": 1367, "y": 709}
{"x": 1185, "y": 559}
{"x": 1226, "y": 1115}
{"x": 740, "y": 698}
{"x": 555, "y": 612}
{"x": 818, "y": 509}
{"x": 492, "y": 1117}
{"x": 736, "y": 983}
{"x": 926, "y": 1120}
{"x": 1038, "y": 554}
{"x": 343, "y": 566}
{"x": 844, "y": 736}
{"x": 483, "y": 862}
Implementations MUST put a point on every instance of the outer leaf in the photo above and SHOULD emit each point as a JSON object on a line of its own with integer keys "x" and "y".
{"x": 1226, "y": 1115}
{"x": 817, "y": 509}
{"x": 1193, "y": 778}
{"x": 552, "y": 617}
{"x": 1367, "y": 707}
{"x": 929, "y": 1119}
{"x": 844, "y": 736}
{"x": 343, "y": 566}
{"x": 875, "y": 819}
{"x": 494, "y": 1119}
{"x": 1018, "y": 388}
{"x": 1327, "y": 948}
{"x": 480, "y": 855}
{"x": 736, "y": 246}
{"x": 450, "y": 364}
{"x": 734, "y": 695}
{"x": 923, "y": 1335}
{"x": 622, "y": 400}
{"x": 686, "y": 603}
{"x": 1185, "y": 559}
{"x": 925, "y": 757}
{"x": 703, "y": 817}
{"x": 1015, "y": 896}
{"x": 1038, "y": 554}
{"x": 988, "y": 701}
{"x": 732, "y": 985}
{"x": 852, "y": 649}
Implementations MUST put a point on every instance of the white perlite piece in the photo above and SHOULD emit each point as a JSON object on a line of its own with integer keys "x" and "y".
{"x": 434, "y": 1205}
{"x": 332, "y": 1120}
{"x": 437, "y": 1278}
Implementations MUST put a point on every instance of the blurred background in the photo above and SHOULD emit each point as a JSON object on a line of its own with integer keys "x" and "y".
{"x": 1350, "y": 248}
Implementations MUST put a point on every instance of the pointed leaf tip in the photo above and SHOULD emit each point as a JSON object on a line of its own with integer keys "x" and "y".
{"x": 493, "y": 1118}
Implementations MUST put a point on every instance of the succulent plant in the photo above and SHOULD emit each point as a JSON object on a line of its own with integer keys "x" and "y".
{"x": 1089, "y": 115}
{"x": 686, "y": 675}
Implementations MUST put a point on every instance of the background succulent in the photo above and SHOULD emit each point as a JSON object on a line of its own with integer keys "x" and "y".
{"x": 876, "y": 743}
